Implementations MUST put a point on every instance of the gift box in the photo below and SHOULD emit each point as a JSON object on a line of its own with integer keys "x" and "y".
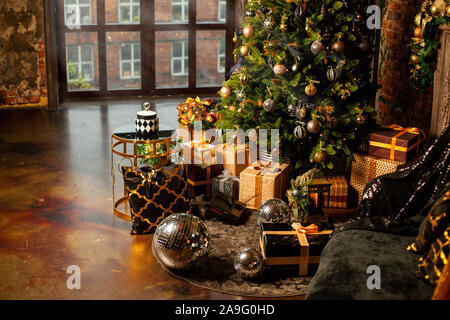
{"x": 234, "y": 156}
{"x": 338, "y": 192}
{"x": 200, "y": 179}
{"x": 394, "y": 142}
{"x": 154, "y": 195}
{"x": 259, "y": 183}
{"x": 227, "y": 184}
{"x": 284, "y": 244}
{"x": 199, "y": 153}
{"x": 220, "y": 207}
{"x": 365, "y": 168}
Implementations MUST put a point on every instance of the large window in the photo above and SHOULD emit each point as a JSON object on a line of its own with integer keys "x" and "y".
{"x": 179, "y": 58}
{"x": 129, "y": 11}
{"x": 80, "y": 63}
{"x": 180, "y": 10}
{"x": 77, "y": 12}
{"x": 130, "y": 61}
{"x": 143, "y": 47}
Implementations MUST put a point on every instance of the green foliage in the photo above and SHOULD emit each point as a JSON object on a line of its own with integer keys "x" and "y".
{"x": 335, "y": 104}
{"x": 425, "y": 47}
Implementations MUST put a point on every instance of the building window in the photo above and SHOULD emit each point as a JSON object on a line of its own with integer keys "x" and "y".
{"x": 129, "y": 11}
{"x": 80, "y": 63}
{"x": 130, "y": 61}
{"x": 221, "y": 56}
{"x": 222, "y": 10}
{"x": 180, "y": 62}
{"x": 77, "y": 12}
{"x": 180, "y": 10}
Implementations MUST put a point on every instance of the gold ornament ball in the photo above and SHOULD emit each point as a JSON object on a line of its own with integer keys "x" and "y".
{"x": 319, "y": 157}
{"x": 360, "y": 119}
{"x": 434, "y": 11}
{"x": 414, "y": 59}
{"x": 225, "y": 91}
{"x": 244, "y": 78}
{"x": 279, "y": 69}
{"x": 248, "y": 31}
{"x": 310, "y": 90}
{"x": 338, "y": 46}
{"x": 243, "y": 50}
{"x": 447, "y": 11}
{"x": 418, "y": 32}
{"x": 235, "y": 39}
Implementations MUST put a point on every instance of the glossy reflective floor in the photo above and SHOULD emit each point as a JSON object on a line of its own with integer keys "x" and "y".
{"x": 56, "y": 209}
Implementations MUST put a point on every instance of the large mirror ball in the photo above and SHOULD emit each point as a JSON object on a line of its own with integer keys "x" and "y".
{"x": 180, "y": 239}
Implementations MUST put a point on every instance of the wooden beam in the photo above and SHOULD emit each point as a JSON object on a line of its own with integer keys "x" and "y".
{"x": 51, "y": 54}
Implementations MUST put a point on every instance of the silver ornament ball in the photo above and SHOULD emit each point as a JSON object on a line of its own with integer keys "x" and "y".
{"x": 296, "y": 193}
{"x": 268, "y": 105}
{"x": 273, "y": 211}
{"x": 269, "y": 23}
{"x": 249, "y": 263}
{"x": 317, "y": 47}
{"x": 313, "y": 126}
{"x": 179, "y": 239}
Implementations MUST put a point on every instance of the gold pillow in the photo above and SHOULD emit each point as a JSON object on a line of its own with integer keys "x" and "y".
{"x": 432, "y": 264}
{"x": 432, "y": 226}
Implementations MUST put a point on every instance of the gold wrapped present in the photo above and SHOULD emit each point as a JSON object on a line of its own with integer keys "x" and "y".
{"x": 234, "y": 156}
{"x": 366, "y": 168}
{"x": 199, "y": 153}
{"x": 259, "y": 183}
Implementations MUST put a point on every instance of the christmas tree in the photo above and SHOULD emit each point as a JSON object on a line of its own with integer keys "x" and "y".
{"x": 303, "y": 68}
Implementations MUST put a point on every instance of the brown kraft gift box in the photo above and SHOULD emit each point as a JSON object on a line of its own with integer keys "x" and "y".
{"x": 396, "y": 143}
{"x": 235, "y": 157}
{"x": 366, "y": 168}
{"x": 338, "y": 192}
{"x": 258, "y": 183}
{"x": 199, "y": 179}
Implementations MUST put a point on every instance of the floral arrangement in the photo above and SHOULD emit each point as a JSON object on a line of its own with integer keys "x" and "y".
{"x": 423, "y": 44}
{"x": 193, "y": 110}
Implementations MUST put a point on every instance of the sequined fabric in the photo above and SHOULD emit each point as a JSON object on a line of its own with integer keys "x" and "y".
{"x": 393, "y": 202}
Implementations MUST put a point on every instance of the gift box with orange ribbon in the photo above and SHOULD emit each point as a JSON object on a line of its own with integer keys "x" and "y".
{"x": 364, "y": 169}
{"x": 200, "y": 179}
{"x": 284, "y": 244}
{"x": 202, "y": 154}
{"x": 394, "y": 142}
{"x": 262, "y": 182}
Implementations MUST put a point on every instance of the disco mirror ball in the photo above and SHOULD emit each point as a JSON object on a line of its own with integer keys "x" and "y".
{"x": 273, "y": 211}
{"x": 179, "y": 239}
{"x": 249, "y": 263}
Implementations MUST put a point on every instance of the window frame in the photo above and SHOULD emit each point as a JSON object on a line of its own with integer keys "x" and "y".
{"x": 148, "y": 29}
{"x": 183, "y": 58}
{"x": 130, "y": 6}
{"x": 184, "y": 4}
{"x": 221, "y": 55}
{"x": 132, "y": 61}
{"x": 77, "y": 7}
{"x": 221, "y": 4}
{"x": 80, "y": 63}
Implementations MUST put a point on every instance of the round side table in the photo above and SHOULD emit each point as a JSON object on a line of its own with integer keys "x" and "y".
{"x": 124, "y": 146}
